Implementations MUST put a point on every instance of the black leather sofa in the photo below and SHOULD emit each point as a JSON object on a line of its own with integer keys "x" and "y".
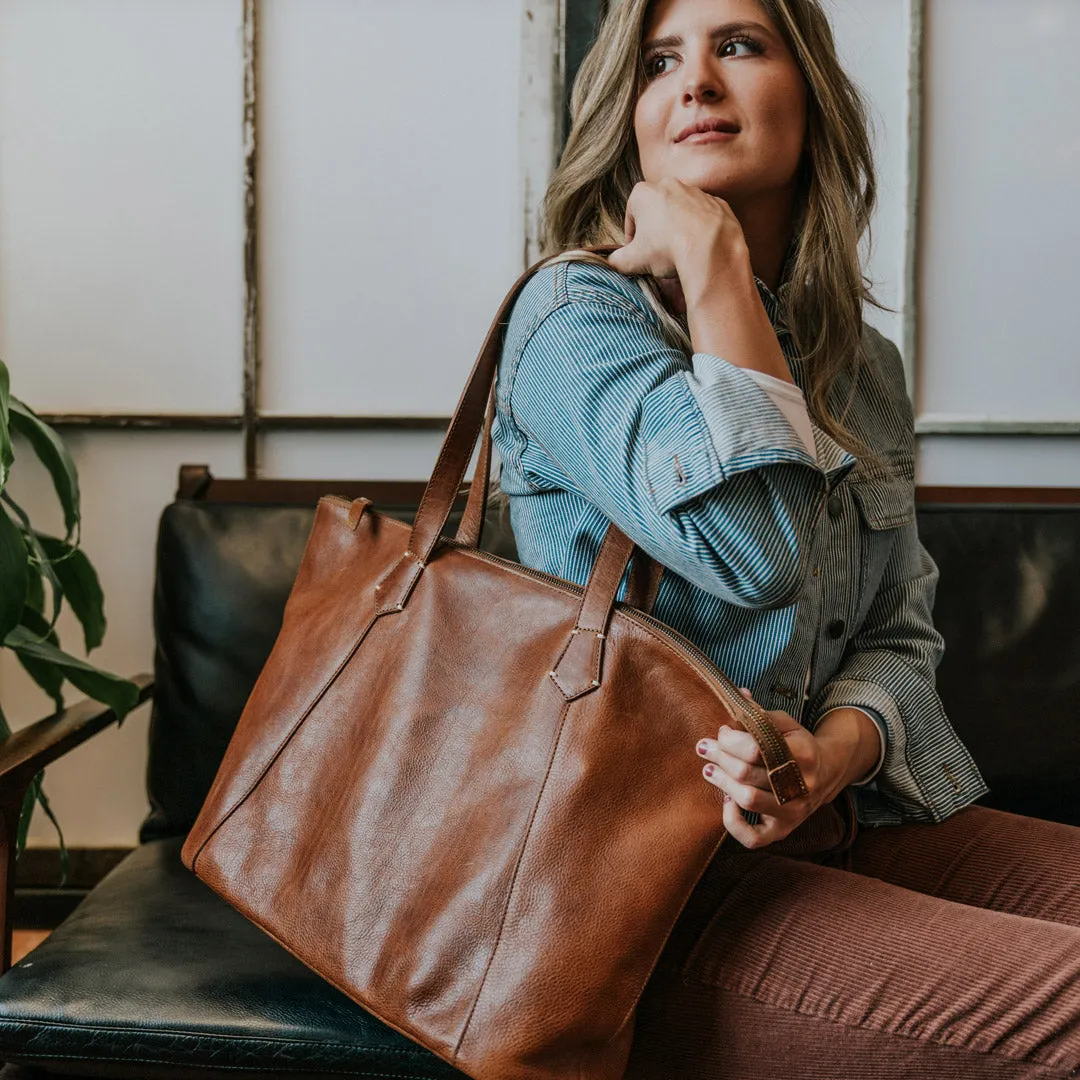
{"x": 154, "y": 976}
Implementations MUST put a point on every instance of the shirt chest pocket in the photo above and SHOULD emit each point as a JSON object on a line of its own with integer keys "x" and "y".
{"x": 885, "y": 503}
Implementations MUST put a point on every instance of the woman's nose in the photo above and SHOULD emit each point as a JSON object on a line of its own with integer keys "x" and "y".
{"x": 701, "y": 83}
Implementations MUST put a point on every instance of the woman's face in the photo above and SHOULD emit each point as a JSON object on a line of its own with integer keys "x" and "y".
{"x": 721, "y": 61}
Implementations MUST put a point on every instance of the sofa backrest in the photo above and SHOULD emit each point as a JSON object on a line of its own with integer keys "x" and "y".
{"x": 1008, "y": 606}
{"x": 227, "y": 554}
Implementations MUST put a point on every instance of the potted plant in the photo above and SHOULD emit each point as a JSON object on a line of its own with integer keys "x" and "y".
{"x": 38, "y": 574}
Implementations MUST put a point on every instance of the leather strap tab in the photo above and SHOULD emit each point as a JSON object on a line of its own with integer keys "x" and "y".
{"x": 356, "y": 511}
{"x": 787, "y": 782}
{"x": 397, "y": 583}
{"x": 578, "y": 669}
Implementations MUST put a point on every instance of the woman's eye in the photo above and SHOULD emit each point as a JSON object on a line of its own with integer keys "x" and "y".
{"x": 751, "y": 47}
{"x": 651, "y": 67}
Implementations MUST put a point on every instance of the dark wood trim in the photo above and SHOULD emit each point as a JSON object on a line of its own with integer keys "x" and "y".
{"x": 39, "y": 868}
{"x": 353, "y": 423}
{"x": 583, "y": 18}
{"x": 1035, "y": 496}
{"x": 196, "y": 482}
{"x": 240, "y": 422}
{"x": 252, "y": 344}
{"x": 44, "y": 909}
{"x": 143, "y": 421}
{"x": 40, "y": 901}
{"x": 27, "y": 751}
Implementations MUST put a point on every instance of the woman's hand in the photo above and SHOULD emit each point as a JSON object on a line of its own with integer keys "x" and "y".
{"x": 693, "y": 245}
{"x": 844, "y": 748}
{"x": 677, "y": 231}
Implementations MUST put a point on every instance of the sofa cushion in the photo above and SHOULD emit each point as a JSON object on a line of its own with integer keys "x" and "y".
{"x": 1008, "y": 606}
{"x": 153, "y": 975}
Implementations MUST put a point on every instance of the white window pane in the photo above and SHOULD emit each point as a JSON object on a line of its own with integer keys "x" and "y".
{"x": 389, "y": 195}
{"x": 121, "y": 216}
{"x": 872, "y": 39}
{"x": 1001, "y": 227}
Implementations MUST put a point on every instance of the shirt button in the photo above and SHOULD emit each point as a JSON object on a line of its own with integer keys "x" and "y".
{"x": 817, "y": 571}
{"x": 835, "y": 506}
{"x": 836, "y": 628}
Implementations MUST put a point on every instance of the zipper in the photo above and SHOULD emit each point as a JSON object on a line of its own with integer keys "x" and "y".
{"x": 763, "y": 731}
{"x": 721, "y": 683}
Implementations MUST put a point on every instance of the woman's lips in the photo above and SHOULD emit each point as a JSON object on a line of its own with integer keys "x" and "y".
{"x": 709, "y": 136}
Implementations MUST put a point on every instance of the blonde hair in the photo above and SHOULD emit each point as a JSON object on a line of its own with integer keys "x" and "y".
{"x": 836, "y": 191}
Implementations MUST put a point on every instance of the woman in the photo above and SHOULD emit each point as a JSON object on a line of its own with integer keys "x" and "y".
{"x": 712, "y": 389}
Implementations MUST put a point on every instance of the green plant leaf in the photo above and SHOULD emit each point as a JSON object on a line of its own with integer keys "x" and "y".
{"x": 48, "y": 676}
{"x": 13, "y": 574}
{"x": 81, "y": 586}
{"x": 119, "y": 694}
{"x": 54, "y": 456}
{"x": 35, "y": 588}
{"x": 37, "y": 552}
{"x": 26, "y": 814}
{"x": 7, "y": 454}
{"x": 36, "y": 793}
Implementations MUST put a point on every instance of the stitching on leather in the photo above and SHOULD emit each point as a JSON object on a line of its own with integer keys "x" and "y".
{"x": 554, "y": 673}
{"x": 382, "y": 608}
{"x": 513, "y": 881}
{"x": 20, "y": 1059}
{"x": 175, "y": 1033}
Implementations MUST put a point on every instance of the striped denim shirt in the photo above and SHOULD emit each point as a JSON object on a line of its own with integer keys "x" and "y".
{"x": 804, "y": 581}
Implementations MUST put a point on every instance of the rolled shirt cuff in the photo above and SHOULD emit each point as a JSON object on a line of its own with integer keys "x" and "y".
{"x": 789, "y": 399}
{"x": 883, "y": 732}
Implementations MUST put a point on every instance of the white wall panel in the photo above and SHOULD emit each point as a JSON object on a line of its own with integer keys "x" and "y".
{"x": 1001, "y": 228}
{"x": 351, "y": 455}
{"x": 120, "y": 203}
{"x": 1014, "y": 461}
{"x": 99, "y": 790}
{"x": 872, "y": 40}
{"x": 389, "y": 194}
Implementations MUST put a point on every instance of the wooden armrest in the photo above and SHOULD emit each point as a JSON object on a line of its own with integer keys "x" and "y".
{"x": 23, "y": 754}
{"x": 27, "y": 751}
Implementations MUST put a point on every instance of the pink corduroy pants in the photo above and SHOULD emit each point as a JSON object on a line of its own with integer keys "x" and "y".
{"x": 938, "y": 951}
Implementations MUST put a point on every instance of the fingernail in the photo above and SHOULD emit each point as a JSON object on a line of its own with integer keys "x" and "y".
{"x": 702, "y": 747}
{"x": 709, "y": 769}
{"x": 726, "y": 796}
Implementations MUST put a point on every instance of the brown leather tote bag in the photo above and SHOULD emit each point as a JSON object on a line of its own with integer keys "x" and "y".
{"x": 463, "y": 791}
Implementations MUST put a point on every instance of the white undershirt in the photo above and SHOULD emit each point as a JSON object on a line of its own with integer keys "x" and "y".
{"x": 789, "y": 399}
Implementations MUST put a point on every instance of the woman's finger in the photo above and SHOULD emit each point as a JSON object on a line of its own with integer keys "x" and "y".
{"x": 749, "y": 798}
{"x": 745, "y": 773}
{"x": 746, "y": 834}
{"x": 740, "y": 744}
{"x": 626, "y": 260}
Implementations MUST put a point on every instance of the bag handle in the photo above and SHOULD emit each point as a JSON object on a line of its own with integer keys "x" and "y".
{"x": 473, "y": 413}
{"x": 579, "y": 667}
{"x": 645, "y": 571}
